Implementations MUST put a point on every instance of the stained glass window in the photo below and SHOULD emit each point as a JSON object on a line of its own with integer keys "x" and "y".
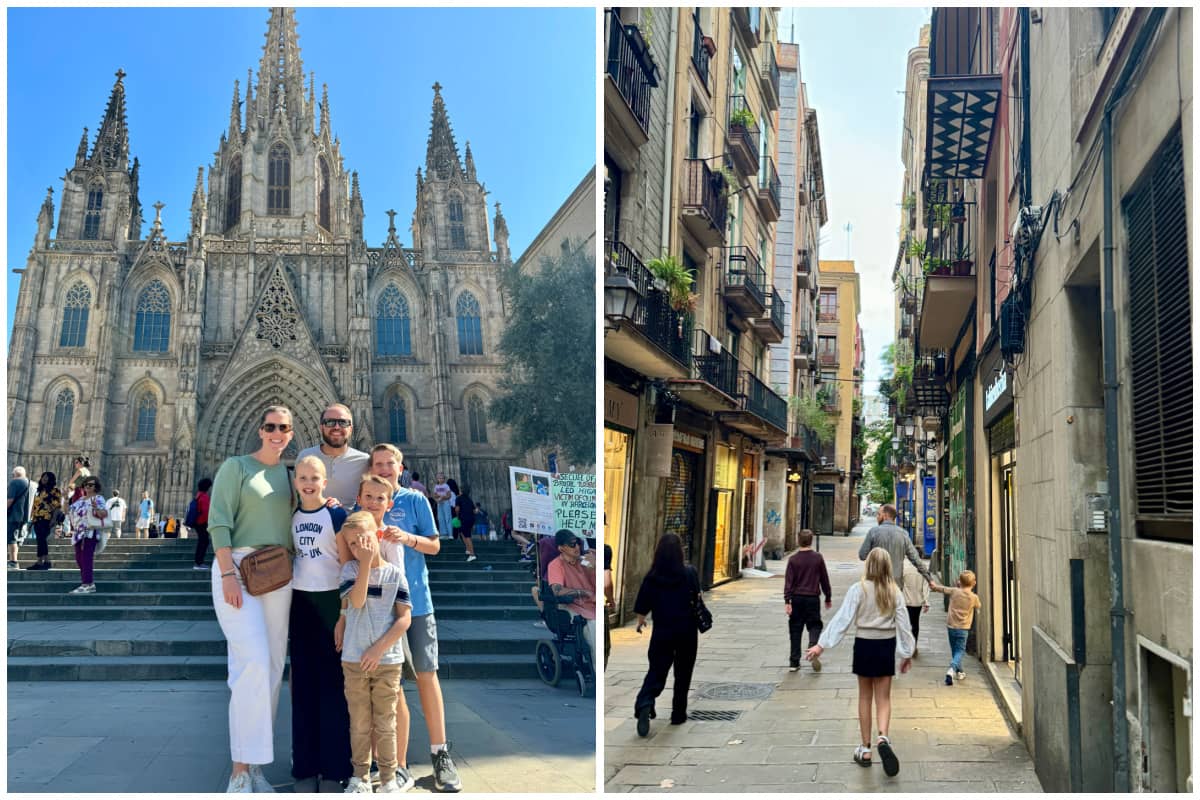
{"x": 75, "y": 317}
{"x": 147, "y": 416}
{"x": 477, "y": 420}
{"x": 152, "y": 324}
{"x": 470, "y": 332}
{"x": 392, "y": 324}
{"x": 91, "y": 219}
{"x": 64, "y": 410}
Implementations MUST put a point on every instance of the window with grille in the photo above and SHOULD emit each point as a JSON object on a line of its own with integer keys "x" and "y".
{"x": 233, "y": 193}
{"x": 152, "y": 322}
{"x": 477, "y": 420}
{"x": 64, "y": 410}
{"x": 91, "y": 218}
{"x": 323, "y": 196}
{"x": 75, "y": 317}
{"x": 1160, "y": 346}
{"x": 279, "y": 181}
{"x": 827, "y": 309}
{"x": 470, "y": 331}
{"x": 397, "y": 420}
{"x": 147, "y": 416}
{"x": 458, "y": 235}
{"x": 392, "y": 324}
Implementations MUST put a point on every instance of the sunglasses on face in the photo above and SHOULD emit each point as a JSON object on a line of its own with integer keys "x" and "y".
{"x": 270, "y": 427}
{"x": 336, "y": 423}
{"x": 572, "y": 544}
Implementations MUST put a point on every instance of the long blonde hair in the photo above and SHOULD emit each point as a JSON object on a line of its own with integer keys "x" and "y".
{"x": 878, "y": 571}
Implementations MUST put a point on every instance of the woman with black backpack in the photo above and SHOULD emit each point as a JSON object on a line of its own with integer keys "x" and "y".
{"x": 669, "y": 593}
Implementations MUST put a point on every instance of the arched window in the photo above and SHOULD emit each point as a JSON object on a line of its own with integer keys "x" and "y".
{"x": 477, "y": 420}
{"x": 75, "y": 316}
{"x": 391, "y": 324}
{"x": 397, "y": 420}
{"x": 470, "y": 334}
{"x": 233, "y": 193}
{"x": 323, "y": 196}
{"x": 91, "y": 219}
{"x": 147, "y": 416}
{"x": 279, "y": 181}
{"x": 64, "y": 410}
{"x": 152, "y": 325}
{"x": 458, "y": 236}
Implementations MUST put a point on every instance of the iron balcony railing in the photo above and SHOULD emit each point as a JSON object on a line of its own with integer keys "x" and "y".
{"x": 776, "y": 308}
{"x": 629, "y": 68}
{"x": 803, "y": 263}
{"x": 743, "y": 135}
{"x": 717, "y": 368}
{"x": 747, "y": 19}
{"x": 804, "y": 342}
{"x": 760, "y": 399}
{"x": 700, "y": 56}
{"x": 770, "y": 69}
{"x": 828, "y": 358}
{"x": 704, "y": 190}
{"x": 768, "y": 179}
{"x": 654, "y": 318}
{"x": 742, "y": 269}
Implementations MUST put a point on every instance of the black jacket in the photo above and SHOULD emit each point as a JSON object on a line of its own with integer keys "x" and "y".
{"x": 669, "y": 600}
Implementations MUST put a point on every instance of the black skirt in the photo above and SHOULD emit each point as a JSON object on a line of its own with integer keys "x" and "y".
{"x": 874, "y": 658}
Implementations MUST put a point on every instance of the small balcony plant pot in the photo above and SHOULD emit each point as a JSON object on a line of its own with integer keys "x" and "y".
{"x": 962, "y": 268}
{"x": 958, "y": 212}
{"x": 709, "y": 45}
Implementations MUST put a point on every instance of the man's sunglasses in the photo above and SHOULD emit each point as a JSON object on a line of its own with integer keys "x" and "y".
{"x": 336, "y": 423}
{"x": 572, "y": 544}
{"x": 283, "y": 427}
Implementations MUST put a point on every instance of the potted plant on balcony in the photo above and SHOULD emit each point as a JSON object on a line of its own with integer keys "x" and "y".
{"x": 709, "y": 45}
{"x": 916, "y": 250}
{"x": 939, "y": 217}
{"x": 958, "y": 211}
{"x": 742, "y": 117}
{"x": 962, "y": 263}
{"x": 808, "y": 412}
{"x": 937, "y": 266}
{"x": 677, "y": 281}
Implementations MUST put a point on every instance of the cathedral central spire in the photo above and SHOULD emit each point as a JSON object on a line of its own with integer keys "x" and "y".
{"x": 281, "y": 72}
{"x": 111, "y": 149}
{"x": 441, "y": 153}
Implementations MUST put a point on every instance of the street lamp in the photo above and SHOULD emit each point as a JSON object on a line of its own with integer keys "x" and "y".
{"x": 620, "y": 300}
{"x": 910, "y": 427}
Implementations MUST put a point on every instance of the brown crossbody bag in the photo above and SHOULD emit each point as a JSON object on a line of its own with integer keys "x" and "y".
{"x": 266, "y": 570}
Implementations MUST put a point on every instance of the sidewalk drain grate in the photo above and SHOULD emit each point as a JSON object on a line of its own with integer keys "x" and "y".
{"x": 738, "y": 691}
{"x": 714, "y": 716}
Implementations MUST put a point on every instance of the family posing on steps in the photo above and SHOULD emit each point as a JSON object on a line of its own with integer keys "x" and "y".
{"x": 884, "y": 616}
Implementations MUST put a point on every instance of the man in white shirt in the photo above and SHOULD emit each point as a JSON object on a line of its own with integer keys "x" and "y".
{"x": 344, "y": 465}
{"x": 116, "y": 512}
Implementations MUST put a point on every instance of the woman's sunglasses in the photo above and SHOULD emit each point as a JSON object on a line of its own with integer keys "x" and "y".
{"x": 270, "y": 427}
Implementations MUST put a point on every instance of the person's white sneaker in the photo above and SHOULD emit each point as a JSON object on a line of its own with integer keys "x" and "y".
{"x": 962, "y": 676}
{"x": 357, "y": 785}
{"x": 389, "y": 787}
{"x": 202, "y": 568}
{"x": 240, "y": 783}
{"x": 80, "y": 589}
{"x": 470, "y": 558}
{"x": 259, "y": 781}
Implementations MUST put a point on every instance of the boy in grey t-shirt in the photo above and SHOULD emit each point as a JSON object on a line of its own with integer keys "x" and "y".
{"x": 378, "y": 611}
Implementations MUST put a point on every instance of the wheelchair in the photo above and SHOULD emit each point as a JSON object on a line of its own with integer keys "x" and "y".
{"x": 568, "y": 650}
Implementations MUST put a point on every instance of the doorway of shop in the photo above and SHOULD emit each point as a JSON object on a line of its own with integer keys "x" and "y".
{"x": 1010, "y": 608}
{"x": 822, "y": 509}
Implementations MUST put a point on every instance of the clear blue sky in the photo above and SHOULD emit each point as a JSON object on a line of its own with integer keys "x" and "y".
{"x": 853, "y": 61}
{"x": 518, "y": 83}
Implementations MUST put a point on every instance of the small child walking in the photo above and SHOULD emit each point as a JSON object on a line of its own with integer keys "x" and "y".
{"x": 959, "y": 617}
{"x": 377, "y": 609}
{"x": 916, "y": 600}
{"x": 876, "y": 607}
{"x": 806, "y": 578}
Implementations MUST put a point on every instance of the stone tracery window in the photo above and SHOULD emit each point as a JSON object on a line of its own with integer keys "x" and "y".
{"x": 152, "y": 323}
{"x": 477, "y": 420}
{"x": 397, "y": 420}
{"x": 323, "y": 194}
{"x": 91, "y": 218}
{"x": 75, "y": 316}
{"x": 470, "y": 331}
{"x": 64, "y": 411}
{"x": 458, "y": 236}
{"x": 147, "y": 417}
{"x": 392, "y": 319}
{"x": 279, "y": 180}
{"x": 233, "y": 193}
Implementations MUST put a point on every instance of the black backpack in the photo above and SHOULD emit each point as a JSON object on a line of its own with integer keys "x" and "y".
{"x": 193, "y": 514}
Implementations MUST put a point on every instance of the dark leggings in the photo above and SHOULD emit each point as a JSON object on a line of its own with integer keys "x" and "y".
{"x": 669, "y": 649}
{"x": 202, "y": 539}
{"x": 914, "y": 619}
{"x": 41, "y": 530}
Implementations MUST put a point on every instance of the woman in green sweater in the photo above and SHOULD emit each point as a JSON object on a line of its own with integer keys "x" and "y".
{"x": 251, "y": 508}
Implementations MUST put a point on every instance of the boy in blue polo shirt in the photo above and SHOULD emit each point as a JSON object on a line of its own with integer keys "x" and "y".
{"x": 410, "y": 513}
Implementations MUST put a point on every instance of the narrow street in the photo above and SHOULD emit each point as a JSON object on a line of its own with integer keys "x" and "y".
{"x": 797, "y": 731}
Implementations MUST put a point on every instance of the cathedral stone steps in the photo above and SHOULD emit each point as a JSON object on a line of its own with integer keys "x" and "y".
{"x": 152, "y": 617}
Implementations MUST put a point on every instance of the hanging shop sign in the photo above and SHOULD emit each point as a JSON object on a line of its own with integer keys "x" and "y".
{"x": 688, "y": 441}
{"x": 930, "y": 522}
{"x": 996, "y": 377}
{"x": 620, "y": 407}
{"x": 658, "y": 440}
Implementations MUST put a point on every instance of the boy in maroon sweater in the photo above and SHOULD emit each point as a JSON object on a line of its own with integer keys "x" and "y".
{"x": 803, "y": 584}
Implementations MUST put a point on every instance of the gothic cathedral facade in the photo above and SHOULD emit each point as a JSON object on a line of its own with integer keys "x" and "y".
{"x": 155, "y": 358}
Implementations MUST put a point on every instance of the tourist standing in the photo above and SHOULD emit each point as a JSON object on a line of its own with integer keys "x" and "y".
{"x": 252, "y": 504}
{"x": 83, "y": 470}
{"x": 20, "y": 497}
{"x": 116, "y": 512}
{"x": 145, "y": 516}
{"x": 464, "y": 509}
{"x": 443, "y": 497}
{"x": 344, "y": 466}
{"x": 85, "y": 536}
{"x": 199, "y": 523}
{"x": 47, "y": 512}
{"x": 666, "y": 596}
{"x": 894, "y": 539}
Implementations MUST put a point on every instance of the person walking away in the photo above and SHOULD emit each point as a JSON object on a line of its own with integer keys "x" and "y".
{"x": 378, "y": 611}
{"x": 85, "y": 537}
{"x": 959, "y": 617}
{"x": 19, "y": 497}
{"x": 894, "y": 539}
{"x": 145, "y": 516}
{"x": 805, "y": 579}
{"x": 916, "y": 601}
{"x": 464, "y": 508}
{"x": 320, "y": 720}
{"x": 47, "y": 512}
{"x": 197, "y": 520}
{"x": 116, "y": 512}
{"x": 443, "y": 496}
{"x": 875, "y": 605}
{"x": 666, "y": 596}
{"x": 252, "y": 505}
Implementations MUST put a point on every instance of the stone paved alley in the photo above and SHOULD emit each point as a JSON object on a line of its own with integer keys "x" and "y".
{"x": 797, "y": 731}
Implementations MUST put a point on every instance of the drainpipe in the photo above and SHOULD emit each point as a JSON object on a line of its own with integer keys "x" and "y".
{"x": 1116, "y": 564}
{"x": 668, "y": 146}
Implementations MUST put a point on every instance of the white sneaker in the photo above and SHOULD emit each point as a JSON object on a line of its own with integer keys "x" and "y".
{"x": 80, "y": 589}
{"x": 962, "y": 676}
{"x": 259, "y": 781}
{"x": 202, "y": 568}
{"x": 240, "y": 783}
{"x": 470, "y": 558}
{"x": 358, "y": 785}
{"x": 389, "y": 787}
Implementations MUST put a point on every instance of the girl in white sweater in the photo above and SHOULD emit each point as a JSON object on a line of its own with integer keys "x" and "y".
{"x": 882, "y": 632}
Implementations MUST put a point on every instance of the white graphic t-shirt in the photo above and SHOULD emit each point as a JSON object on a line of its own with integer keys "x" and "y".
{"x": 315, "y": 567}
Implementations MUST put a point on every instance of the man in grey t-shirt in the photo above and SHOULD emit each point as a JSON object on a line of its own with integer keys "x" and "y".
{"x": 892, "y": 538}
{"x": 344, "y": 466}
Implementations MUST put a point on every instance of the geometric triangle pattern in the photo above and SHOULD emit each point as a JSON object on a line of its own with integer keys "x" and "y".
{"x": 962, "y": 112}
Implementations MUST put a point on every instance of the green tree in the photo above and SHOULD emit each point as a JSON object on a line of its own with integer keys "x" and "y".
{"x": 549, "y": 349}
{"x": 808, "y": 411}
{"x": 882, "y": 482}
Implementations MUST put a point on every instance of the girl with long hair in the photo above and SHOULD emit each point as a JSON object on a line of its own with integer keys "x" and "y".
{"x": 666, "y": 594}
{"x": 882, "y": 633}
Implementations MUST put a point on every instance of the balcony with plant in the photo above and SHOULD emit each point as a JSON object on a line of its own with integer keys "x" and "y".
{"x": 743, "y": 136}
{"x": 705, "y": 203}
{"x": 632, "y": 74}
{"x": 745, "y": 284}
{"x": 768, "y": 190}
{"x": 658, "y": 317}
